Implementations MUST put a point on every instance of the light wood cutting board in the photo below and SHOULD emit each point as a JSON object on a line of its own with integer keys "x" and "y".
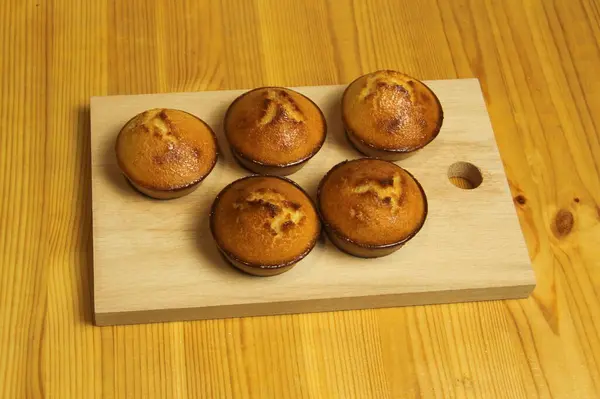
{"x": 156, "y": 260}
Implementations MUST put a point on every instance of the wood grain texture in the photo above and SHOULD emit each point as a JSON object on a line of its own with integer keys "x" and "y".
{"x": 537, "y": 61}
{"x": 157, "y": 261}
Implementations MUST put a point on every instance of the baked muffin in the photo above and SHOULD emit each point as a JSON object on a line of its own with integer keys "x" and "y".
{"x": 264, "y": 225}
{"x": 166, "y": 153}
{"x": 371, "y": 207}
{"x": 274, "y": 130}
{"x": 388, "y": 114}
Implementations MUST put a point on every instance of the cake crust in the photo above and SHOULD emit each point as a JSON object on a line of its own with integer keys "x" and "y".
{"x": 371, "y": 204}
{"x": 274, "y": 127}
{"x": 390, "y": 112}
{"x": 265, "y": 223}
{"x": 166, "y": 151}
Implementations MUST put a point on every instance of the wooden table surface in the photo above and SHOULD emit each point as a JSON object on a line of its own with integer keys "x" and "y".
{"x": 538, "y": 62}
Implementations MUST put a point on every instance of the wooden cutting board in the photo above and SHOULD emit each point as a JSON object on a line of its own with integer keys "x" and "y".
{"x": 156, "y": 260}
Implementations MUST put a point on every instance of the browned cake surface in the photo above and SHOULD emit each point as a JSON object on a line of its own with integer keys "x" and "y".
{"x": 264, "y": 221}
{"x": 392, "y": 111}
{"x": 274, "y": 126}
{"x": 166, "y": 149}
{"x": 371, "y": 202}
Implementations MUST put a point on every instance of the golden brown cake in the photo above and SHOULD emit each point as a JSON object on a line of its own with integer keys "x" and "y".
{"x": 371, "y": 207}
{"x": 274, "y": 130}
{"x": 264, "y": 225}
{"x": 166, "y": 153}
{"x": 388, "y": 114}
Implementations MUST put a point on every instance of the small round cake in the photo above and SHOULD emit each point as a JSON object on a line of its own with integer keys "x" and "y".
{"x": 274, "y": 130}
{"x": 388, "y": 114}
{"x": 264, "y": 225}
{"x": 166, "y": 153}
{"x": 371, "y": 207}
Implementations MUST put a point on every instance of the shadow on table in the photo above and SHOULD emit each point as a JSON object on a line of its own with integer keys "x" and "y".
{"x": 86, "y": 287}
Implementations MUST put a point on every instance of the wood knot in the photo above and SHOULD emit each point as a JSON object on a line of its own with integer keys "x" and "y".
{"x": 563, "y": 223}
{"x": 520, "y": 199}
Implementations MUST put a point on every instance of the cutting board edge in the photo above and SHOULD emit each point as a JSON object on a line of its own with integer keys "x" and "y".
{"x": 517, "y": 291}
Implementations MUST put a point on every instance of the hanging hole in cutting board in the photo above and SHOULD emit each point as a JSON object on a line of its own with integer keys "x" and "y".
{"x": 465, "y": 175}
